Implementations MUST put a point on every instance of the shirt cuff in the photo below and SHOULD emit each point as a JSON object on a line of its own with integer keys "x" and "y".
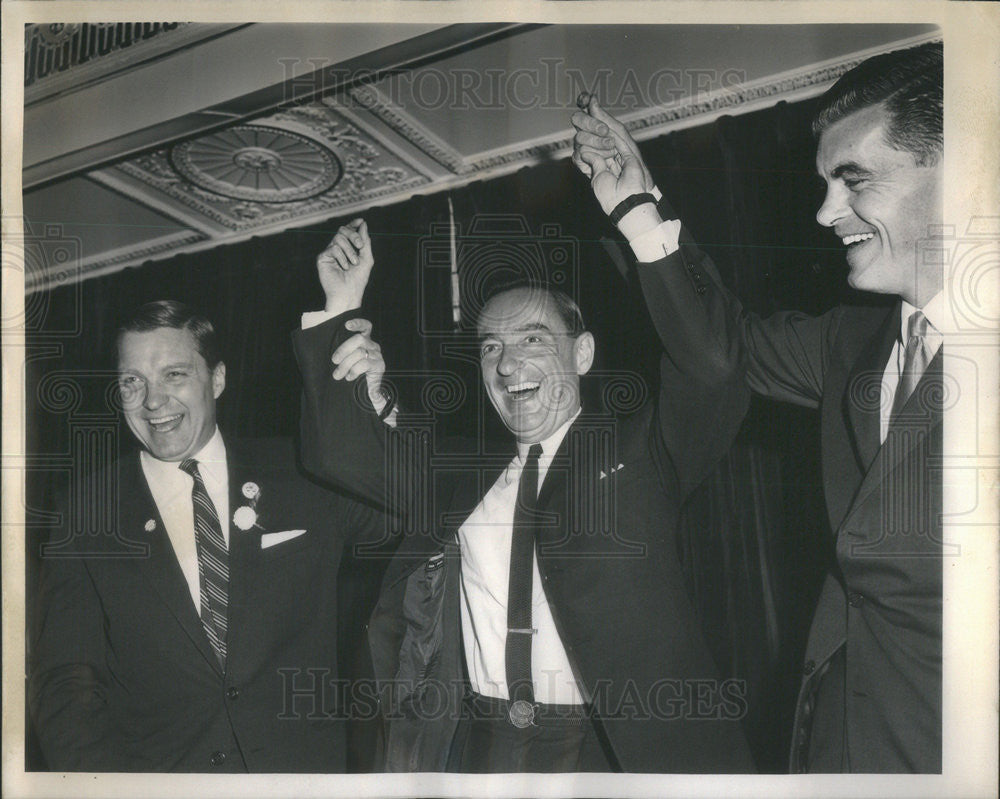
{"x": 314, "y": 318}
{"x": 661, "y": 241}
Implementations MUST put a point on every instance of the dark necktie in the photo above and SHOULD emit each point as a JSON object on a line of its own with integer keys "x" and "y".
{"x": 916, "y": 356}
{"x": 213, "y": 563}
{"x": 519, "y": 629}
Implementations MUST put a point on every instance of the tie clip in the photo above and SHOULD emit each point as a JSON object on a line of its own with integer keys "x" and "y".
{"x": 522, "y": 630}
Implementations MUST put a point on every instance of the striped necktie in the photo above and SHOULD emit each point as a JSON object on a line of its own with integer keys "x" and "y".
{"x": 213, "y": 563}
{"x": 916, "y": 357}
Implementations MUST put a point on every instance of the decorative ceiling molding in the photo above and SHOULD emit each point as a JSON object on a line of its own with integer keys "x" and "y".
{"x": 259, "y": 163}
{"x": 49, "y": 275}
{"x": 233, "y": 178}
{"x": 383, "y": 108}
{"x": 647, "y": 123}
{"x": 350, "y": 151}
{"x": 63, "y": 57}
{"x": 58, "y": 47}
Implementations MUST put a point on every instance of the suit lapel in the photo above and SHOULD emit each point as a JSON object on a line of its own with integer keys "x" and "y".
{"x": 560, "y": 500}
{"x": 555, "y": 482}
{"x": 862, "y": 397}
{"x": 917, "y": 421}
{"x": 161, "y": 569}
{"x": 244, "y": 545}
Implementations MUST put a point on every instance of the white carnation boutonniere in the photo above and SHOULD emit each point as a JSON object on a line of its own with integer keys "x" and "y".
{"x": 246, "y": 515}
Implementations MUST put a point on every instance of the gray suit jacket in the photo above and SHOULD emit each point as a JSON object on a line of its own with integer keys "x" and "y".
{"x": 870, "y": 699}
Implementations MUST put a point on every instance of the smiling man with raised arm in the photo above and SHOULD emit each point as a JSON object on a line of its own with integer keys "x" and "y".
{"x": 870, "y": 698}
{"x": 539, "y": 621}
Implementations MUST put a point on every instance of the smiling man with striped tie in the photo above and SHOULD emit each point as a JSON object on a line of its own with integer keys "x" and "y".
{"x": 210, "y": 642}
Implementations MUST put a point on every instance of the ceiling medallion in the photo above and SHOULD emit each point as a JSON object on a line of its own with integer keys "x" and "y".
{"x": 258, "y": 163}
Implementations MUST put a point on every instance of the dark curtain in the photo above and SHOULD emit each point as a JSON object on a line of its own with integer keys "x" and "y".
{"x": 753, "y": 540}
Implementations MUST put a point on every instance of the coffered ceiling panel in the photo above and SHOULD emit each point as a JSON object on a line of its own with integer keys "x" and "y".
{"x": 199, "y": 135}
{"x": 304, "y": 163}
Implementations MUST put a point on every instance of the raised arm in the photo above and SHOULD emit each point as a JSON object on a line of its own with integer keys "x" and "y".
{"x": 343, "y": 438}
{"x": 786, "y": 354}
{"x": 702, "y": 396}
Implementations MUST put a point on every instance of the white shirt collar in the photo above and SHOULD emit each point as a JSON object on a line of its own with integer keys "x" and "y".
{"x": 551, "y": 444}
{"x": 211, "y": 459}
{"x": 938, "y": 313}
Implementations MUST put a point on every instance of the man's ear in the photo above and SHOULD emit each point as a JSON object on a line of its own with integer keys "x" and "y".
{"x": 583, "y": 352}
{"x": 218, "y": 379}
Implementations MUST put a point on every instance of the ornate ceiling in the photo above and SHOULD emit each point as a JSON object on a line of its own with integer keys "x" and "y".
{"x": 355, "y": 144}
{"x": 304, "y": 163}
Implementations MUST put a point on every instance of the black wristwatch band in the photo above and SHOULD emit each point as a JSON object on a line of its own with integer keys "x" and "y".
{"x": 630, "y": 202}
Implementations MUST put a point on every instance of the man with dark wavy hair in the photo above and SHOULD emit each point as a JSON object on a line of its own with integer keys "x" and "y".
{"x": 870, "y": 698}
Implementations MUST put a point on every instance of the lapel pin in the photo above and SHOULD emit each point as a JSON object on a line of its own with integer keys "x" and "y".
{"x": 245, "y": 517}
{"x": 150, "y": 525}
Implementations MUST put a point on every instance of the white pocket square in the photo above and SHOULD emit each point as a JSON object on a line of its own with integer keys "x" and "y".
{"x": 270, "y": 539}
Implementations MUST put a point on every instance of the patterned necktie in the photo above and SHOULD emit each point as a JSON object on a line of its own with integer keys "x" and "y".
{"x": 916, "y": 356}
{"x": 213, "y": 563}
{"x": 519, "y": 630}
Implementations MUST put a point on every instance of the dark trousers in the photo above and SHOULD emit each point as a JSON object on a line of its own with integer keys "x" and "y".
{"x": 561, "y": 739}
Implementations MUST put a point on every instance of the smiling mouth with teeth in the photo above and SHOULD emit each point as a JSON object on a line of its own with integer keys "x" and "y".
{"x": 165, "y": 424}
{"x": 857, "y": 238}
{"x": 521, "y": 390}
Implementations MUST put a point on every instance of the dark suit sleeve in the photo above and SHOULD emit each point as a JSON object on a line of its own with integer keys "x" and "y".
{"x": 342, "y": 439}
{"x": 68, "y": 679}
{"x": 713, "y": 347}
{"x": 702, "y": 397}
{"x": 787, "y": 353}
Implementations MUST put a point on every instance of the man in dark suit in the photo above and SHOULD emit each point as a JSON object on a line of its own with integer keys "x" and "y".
{"x": 534, "y": 618}
{"x": 202, "y": 636}
{"x": 870, "y": 697}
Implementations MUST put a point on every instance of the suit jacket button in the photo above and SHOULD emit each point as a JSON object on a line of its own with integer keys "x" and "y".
{"x": 233, "y": 693}
{"x": 809, "y": 667}
{"x": 855, "y": 600}
{"x": 218, "y": 758}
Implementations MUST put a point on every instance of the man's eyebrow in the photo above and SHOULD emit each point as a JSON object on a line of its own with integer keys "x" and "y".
{"x": 523, "y": 329}
{"x": 850, "y": 168}
{"x": 173, "y": 365}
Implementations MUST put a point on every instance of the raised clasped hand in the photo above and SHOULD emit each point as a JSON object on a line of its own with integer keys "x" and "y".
{"x": 604, "y": 151}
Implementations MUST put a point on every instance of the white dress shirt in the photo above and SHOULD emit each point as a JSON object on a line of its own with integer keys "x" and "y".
{"x": 485, "y": 541}
{"x": 171, "y": 489}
